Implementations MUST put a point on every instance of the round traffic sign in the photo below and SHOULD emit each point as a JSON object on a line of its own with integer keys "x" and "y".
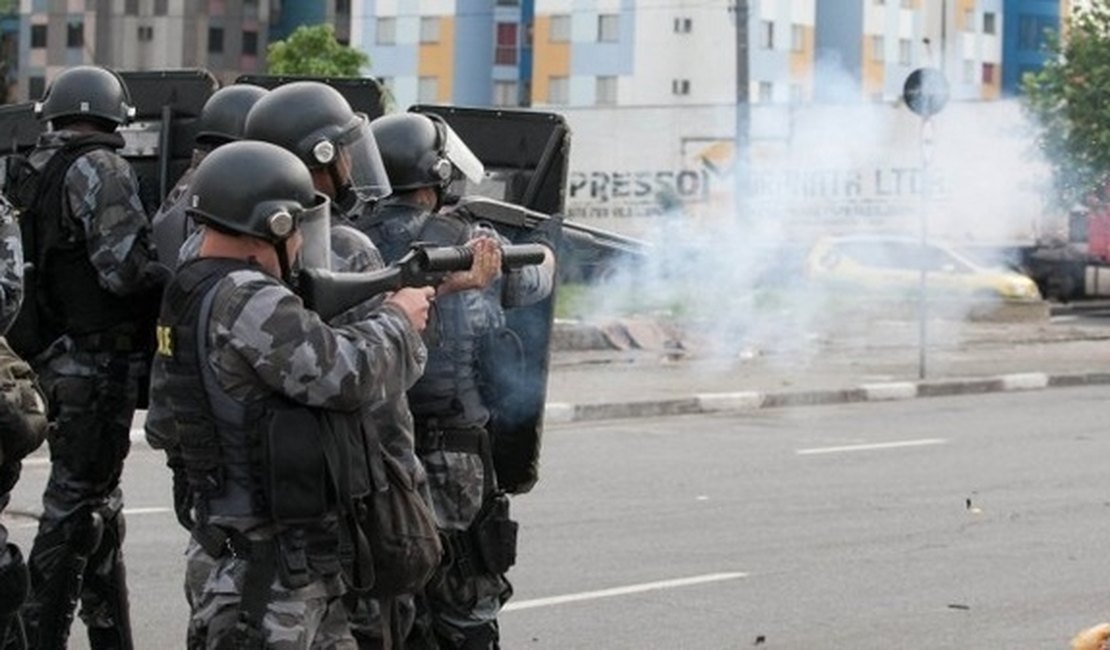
{"x": 925, "y": 91}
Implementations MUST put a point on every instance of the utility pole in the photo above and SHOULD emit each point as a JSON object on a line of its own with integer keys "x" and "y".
{"x": 742, "y": 144}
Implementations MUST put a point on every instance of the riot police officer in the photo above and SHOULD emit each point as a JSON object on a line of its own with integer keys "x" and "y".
{"x": 245, "y": 375}
{"x": 221, "y": 121}
{"x": 87, "y": 306}
{"x": 422, "y": 155}
{"x": 315, "y": 122}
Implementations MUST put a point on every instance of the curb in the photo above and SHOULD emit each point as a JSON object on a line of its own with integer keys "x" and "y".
{"x": 750, "y": 401}
{"x": 742, "y": 402}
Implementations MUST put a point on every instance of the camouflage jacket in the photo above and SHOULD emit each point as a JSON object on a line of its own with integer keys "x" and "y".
{"x": 11, "y": 267}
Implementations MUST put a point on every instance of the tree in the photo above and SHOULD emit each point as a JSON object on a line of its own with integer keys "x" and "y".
{"x": 314, "y": 51}
{"x": 1070, "y": 99}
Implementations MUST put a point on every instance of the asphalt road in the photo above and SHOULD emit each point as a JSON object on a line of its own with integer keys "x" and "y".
{"x": 965, "y": 523}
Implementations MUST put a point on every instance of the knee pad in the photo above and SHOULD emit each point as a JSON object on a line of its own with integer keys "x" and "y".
{"x": 15, "y": 583}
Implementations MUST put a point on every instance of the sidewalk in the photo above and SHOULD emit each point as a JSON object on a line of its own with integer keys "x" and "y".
{"x": 589, "y": 382}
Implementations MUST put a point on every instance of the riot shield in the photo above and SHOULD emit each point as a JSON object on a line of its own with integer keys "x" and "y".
{"x": 159, "y": 141}
{"x": 363, "y": 94}
{"x": 19, "y": 128}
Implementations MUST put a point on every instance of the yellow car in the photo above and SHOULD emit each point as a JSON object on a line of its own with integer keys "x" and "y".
{"x": 891, "y": 265}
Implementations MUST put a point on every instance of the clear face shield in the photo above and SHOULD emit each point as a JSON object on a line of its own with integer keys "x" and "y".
{"x": 359, "y": 151}
{"x": 460, "y": 155}
{"x": 314, "y": 224}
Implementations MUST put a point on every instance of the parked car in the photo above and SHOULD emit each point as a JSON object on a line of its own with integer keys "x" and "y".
{"x": 891, "y": 265}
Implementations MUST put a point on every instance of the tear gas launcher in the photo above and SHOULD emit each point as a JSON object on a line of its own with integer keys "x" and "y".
{"x": 329, "y": 293}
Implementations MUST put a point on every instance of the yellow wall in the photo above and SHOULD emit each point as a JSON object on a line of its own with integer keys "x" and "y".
{"x": 437, "y": 59}
{"x": 874, "y": 72}
{"x": 801, "y": 63}
{"x": 962, "y": 7}
{"x": 549, "y": 59}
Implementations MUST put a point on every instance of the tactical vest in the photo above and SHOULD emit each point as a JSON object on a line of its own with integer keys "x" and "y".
{"x": 219, "y": 437}
{"x": 67, "y": 278}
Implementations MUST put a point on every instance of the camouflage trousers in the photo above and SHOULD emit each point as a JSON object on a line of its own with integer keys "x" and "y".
{"x": 77, "y": 553}
{"x": 458, "y": 608}
{"x": 312, "y": 616}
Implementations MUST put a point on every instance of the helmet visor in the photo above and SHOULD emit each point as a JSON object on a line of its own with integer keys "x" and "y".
{"x": 461, "y": 156}
{"x": 314, "y": 225}
{"x": 368, "y": 177}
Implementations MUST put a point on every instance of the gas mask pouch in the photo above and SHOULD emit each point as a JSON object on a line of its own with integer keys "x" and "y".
{"x": 295, "y": 472}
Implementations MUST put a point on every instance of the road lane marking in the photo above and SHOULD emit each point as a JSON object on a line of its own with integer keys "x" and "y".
{"x": 878, "y": 445}
{"x": 622, "y": 591}
{"x": 157, "y": 510}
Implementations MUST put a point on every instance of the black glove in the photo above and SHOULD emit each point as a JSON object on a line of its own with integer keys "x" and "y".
{"x": 182, "y": 495}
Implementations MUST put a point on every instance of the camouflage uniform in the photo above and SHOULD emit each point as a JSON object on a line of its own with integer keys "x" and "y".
{"x": 91, "y": 382}
{"x": 261, "y": 341}
{"x": 12, "y": 572}
{"x": 460, "y": 605}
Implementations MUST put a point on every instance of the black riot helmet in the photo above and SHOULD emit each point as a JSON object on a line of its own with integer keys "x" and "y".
{"x": 86, "y": 93}
{"x": 263, "y": 191}
{"x": 314, "y": 121}
{"x": 225, "y": 113}
{"x": 421, "y": 150}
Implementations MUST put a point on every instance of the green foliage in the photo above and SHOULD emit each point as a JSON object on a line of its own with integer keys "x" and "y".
{"x": 1070, "y": 98}
{"x": 314, "y": 51}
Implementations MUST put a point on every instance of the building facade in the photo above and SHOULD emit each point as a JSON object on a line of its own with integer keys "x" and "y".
{"x": 228, "y": 37}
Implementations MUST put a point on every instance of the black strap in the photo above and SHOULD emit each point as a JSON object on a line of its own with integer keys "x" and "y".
{"x": 354, "y": 549}
{"x": 472, "y": 440}
{"x": 261, "y": 559}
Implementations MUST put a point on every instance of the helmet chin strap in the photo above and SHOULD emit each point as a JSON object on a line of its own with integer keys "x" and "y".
{"x": 283, "y": 262}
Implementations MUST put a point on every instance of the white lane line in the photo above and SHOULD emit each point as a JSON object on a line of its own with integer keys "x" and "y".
{"x": 157, "y": 510}
{"x": 878, "y": 445}
{"x": 622, "y": 591}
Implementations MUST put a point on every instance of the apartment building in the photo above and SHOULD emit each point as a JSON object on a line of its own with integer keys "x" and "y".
{"x": 228, "y": 37}
{"x": 472, "y": 52}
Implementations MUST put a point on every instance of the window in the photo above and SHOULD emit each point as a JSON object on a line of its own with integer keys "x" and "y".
{"x": 38, "y": 37}
{"x": 131, "y": 7}
{"x": 505, "y": 53}
{"x": 429, "y": 29}
{"x": 683, "y": 25}
{"x": 606, "y": 91}
{"x": 560, "y": 29}
{"x": 680, "y": 87}
{"x": 988, "y": 74}
{"x": 1031, "y": 31}
{"x": 558, "y": 90}
{"x": 146, "y": 33}
{"x": 969, "y": 20}
{"x": 878, "y": 49}
{"x": 36, "y": 87}
{"x": 75, "y": 33}
{"x": 989, "y": 26}
{"x": 766, "y": 91}
{"x": 608, "y": 28}
{"x": 907, "y": 4}
{"x": 343, "y": 7}
{"x": 160, "y": 8}
{"x": 797, "y": 94}
{"x": 766, "y": 34}
{"x": 508, "y": 3}
{"x": 427, "y": 89}
{"x": 504, "y": 93}
{"x": 250, "y": 43}
{"x": 905, "y": 51}
{"x": 387, "y": 31}
{"x": 216, "y": 40}
{"x": 969, "y": 71}
{"x": 797, "y": 38}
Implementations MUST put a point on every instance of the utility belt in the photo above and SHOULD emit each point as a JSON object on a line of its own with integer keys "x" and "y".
{"x": 116, "y": 339}
{"x": 432, "y": 437}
